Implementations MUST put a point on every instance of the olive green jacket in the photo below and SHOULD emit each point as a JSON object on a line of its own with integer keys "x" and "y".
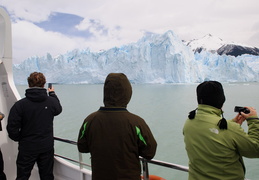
{"x": 217, "y": 154}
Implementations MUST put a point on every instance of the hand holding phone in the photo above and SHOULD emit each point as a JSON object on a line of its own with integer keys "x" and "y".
{"x": 50, "y": 85}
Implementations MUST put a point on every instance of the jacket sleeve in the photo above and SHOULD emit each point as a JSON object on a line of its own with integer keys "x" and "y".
{"x": 56, "y": 102}
{"x": 82, "y": 143}
{"x": 146, "y": 141}
{"x": 248, "y": 143}
{"x": 14, "y": 123}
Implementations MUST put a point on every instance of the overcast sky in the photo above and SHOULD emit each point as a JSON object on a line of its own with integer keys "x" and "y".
{"x": 58, "y": 26}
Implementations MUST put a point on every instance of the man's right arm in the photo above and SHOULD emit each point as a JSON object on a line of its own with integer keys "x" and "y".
{"x": 14, "y": 124}
{"x": 57, "y": 105}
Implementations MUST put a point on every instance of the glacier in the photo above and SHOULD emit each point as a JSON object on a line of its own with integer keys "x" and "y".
{"x": 155, "y": 58}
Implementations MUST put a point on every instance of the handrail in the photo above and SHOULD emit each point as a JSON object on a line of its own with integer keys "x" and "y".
{"x": 72, "y": 160}
{"x": 166, "y": 164}
{"x": 65, "y": 140}
{"x": 143, "y": 160}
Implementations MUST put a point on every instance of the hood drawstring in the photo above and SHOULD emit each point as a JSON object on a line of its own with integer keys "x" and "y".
{"x": 222, "y": 124}
{"x": 192, "y": 114}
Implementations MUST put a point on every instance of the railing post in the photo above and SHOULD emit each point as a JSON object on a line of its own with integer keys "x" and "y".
{"x": 80, "y": 160}
{"x": 145, "y": 169}
{"x": 81, "y": 166}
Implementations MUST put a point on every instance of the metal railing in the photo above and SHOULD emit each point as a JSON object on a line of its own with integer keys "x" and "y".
{"x": 143, "y": 160}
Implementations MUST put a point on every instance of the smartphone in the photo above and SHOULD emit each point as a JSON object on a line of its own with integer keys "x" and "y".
{"x": 50, "y": 85}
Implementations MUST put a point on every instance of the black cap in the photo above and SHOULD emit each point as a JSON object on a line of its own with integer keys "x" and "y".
{"x": 211, "y": 93}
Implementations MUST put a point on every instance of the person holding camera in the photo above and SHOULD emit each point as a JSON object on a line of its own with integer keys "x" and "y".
{"x": 30, "y": 123}
{"x": 215, "y": 146}
{"x": 2, "y": 174}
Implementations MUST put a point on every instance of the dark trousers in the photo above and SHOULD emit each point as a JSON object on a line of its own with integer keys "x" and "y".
{"x": 26, "y": 160}
{"x": 2, "y": 174}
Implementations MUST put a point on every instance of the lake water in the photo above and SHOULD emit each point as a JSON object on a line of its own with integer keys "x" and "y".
{"x": 164, "y": 108}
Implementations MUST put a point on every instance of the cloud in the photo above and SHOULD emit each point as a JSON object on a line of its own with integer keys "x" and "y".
{"x": 102, "y": 24}
{"x": 65, "y": 24}
{"x": 93, "y": 26}
{"x": 30, "y": 40}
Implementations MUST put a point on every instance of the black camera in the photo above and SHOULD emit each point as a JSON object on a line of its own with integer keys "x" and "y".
{"x": 241, "y": 109}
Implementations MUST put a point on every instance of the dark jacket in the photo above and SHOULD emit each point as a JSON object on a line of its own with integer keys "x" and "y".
{"x": 30, "y": 120}
{"x": 114, "y": 136}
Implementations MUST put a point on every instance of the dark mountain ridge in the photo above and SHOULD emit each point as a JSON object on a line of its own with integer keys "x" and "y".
{"x": 237, "y": 50}
{"x": 217, "y": 45}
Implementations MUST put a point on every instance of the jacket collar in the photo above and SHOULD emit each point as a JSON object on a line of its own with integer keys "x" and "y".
{"x": 202, "y": 108}
{"x": 112, "y": 109}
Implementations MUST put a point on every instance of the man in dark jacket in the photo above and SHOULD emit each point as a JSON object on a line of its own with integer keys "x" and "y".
{"x": 114, "y": 136}
{"x": 30, "y": 122}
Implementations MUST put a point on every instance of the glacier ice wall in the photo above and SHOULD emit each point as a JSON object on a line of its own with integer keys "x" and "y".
{"x": 153, "y": 59}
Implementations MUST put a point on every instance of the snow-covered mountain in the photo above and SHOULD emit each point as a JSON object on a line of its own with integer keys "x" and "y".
{"x": 206, "y": 43}
{"x": 217, "y": 45}
{"x": 155, "y": 58}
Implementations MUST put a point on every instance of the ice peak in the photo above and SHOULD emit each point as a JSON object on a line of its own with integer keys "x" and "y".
{"x": 208, "y": 42}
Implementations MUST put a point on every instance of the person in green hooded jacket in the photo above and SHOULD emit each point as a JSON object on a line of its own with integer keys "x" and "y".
{"x": 215, "y": 147}
{"x": 115, "y": 137}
